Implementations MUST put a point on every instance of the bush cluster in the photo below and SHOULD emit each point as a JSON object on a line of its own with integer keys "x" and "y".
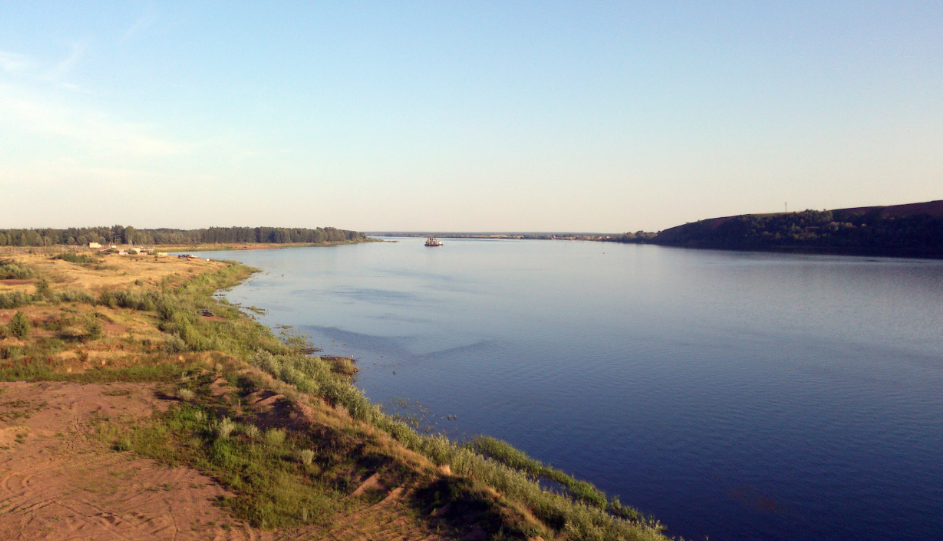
{"x": 10, "y": 270}
{"x": 14, "y": 299}
{"x": 78, "y": 259}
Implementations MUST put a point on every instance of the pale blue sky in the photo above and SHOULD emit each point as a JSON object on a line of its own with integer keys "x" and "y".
{"x": 525, "y": 116}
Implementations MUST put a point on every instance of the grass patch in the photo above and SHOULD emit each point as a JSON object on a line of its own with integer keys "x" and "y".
{"x": 273, "y": 489}
{"x": 15, "y": 410}
{"x": 83, "y": 260}
{"x": 506, "y": 454}
{"x": 32, "y": 369}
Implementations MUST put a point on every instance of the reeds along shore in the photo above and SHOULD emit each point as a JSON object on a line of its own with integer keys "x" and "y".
{"x": 298, "y": 460}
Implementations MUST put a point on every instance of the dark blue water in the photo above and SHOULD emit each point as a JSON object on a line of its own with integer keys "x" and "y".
{"x": 730, "y": 395}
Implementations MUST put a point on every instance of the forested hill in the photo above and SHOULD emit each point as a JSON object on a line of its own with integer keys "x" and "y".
{"x": 125, "y": 235}
{"x": 913, "y": 230}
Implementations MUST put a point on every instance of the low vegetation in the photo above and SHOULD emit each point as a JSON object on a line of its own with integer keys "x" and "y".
{"x": 10, "y": 270}
{"x": 287, "y": 432}
{"x": 78, "y": 259}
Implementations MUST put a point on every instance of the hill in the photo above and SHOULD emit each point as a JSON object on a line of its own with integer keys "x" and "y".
{"x": 911, "y": 230}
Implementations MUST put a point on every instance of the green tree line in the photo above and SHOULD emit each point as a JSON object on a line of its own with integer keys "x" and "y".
{"x": 867, "y": 233}
{"x": 639, "y": 237}
{"x": 119, "y": 234}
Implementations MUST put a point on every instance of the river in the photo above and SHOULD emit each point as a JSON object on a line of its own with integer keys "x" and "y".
{"x": 728, "y": 394}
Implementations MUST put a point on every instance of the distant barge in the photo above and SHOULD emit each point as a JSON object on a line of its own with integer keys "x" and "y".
{"x": 433, "y": 242}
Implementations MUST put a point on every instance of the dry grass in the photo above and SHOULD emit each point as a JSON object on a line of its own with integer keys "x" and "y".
{"x": 114, "y": 272}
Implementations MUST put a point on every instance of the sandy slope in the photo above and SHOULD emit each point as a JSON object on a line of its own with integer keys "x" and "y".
{"x": 58, "y": 482}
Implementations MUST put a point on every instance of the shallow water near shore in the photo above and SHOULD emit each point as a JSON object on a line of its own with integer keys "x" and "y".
{"x": 731, "y": 395}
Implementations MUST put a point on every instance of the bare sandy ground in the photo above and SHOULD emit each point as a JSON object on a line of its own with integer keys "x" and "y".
{"x": 59, "y": 482}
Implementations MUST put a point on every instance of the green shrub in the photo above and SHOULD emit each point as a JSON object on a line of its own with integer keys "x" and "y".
{"x": 174, "y": 345}
{"x": 14, "y": 299}
{"x": 78, "y": 259}
{"x": 19, "y": 326}
{"x": 136, "y": 300}
{"x": 306, "y": 456}
{"x": 275, "y": 437}
{"x": 42, "y": 288}
{"x": 73, "y": 295}
{"x": 622, "y": 511}
{"x": 123, "y": 444}
{"x": 93, "y": 328}
{"x": 252, "y": 432}
{"x": 107, "y": 298}
{"x": 166, "y": 307}
{"x": 10, "y": 270}
{"x": 225, "y": 427}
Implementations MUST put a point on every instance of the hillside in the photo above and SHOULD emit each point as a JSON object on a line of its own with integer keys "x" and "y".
{"x": 911, "y": 230}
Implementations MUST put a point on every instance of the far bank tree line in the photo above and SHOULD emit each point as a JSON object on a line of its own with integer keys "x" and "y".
{"x": 866, "y": 233}
{"x": 118, "y": 234}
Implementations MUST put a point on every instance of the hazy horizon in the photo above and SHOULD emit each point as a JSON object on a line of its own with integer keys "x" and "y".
{"x": 537, "y": 117}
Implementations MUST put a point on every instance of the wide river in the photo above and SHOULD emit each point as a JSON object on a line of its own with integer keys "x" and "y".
{"x": 730, "y": 395}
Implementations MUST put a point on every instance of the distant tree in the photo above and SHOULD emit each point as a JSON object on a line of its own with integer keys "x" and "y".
{"x": 42, "y": 288}
{"x": 19, "y": 326}
{"x": 117, "y": 233}
{"x": 33, "y": 238}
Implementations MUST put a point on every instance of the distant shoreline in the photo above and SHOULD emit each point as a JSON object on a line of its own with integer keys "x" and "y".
{"x": 177, "y": 248}
{"x": 233, "y": 247}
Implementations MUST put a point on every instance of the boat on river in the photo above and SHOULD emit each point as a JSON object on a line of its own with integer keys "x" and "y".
{"x": 433, "y": 242}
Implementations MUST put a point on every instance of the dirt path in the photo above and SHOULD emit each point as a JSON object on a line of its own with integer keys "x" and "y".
{"x": 59, "y": 482}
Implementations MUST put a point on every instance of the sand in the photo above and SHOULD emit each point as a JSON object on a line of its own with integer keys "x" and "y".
{"x": 60, "y": 482}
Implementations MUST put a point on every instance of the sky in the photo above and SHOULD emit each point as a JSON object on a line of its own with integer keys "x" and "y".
{"x": 464, "y": 116}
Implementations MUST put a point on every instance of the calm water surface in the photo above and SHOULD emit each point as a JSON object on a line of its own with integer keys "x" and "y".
{"x": 730, "y": 395}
